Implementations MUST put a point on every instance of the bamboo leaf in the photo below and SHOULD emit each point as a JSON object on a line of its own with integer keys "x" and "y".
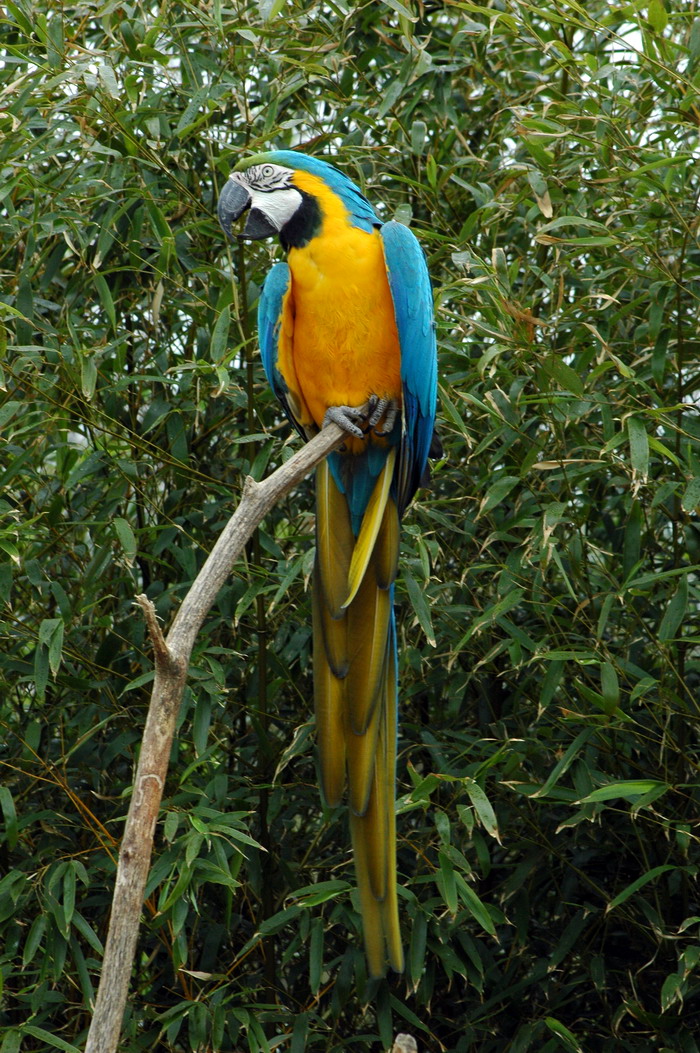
{"x": 639, "y": 448}
{"x": 629, "y": 788}
{"x": 474, "y": 905}
{"x": 569, "y": 1040}
{"x": 650, "y": 875}
{"x": 52, "y": 1041}
{"x": 497, "y": 492}
{"x": 127, "y": 539}
{"x": 675, "y": 612}
{"x": 9, "y": 815}
{"x": 483, "y": 808}
{"x": 420, "y": 606}
{"x": 563, "y": 765}
{"x": 220, "y": 335}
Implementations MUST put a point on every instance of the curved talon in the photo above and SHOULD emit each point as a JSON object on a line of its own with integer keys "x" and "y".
{"x": 345, "y": 417}
{"x": 390, "y": 419}
{"x": 389, "y": 409}
{"x": 377, "y": 406}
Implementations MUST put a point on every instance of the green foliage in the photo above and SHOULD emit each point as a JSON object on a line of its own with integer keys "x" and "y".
{"x": 548, "y": 618}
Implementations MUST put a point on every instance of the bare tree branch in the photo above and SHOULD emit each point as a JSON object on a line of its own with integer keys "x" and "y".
{"x": 404, "y": 1043}
{"x": 172, "y": 656}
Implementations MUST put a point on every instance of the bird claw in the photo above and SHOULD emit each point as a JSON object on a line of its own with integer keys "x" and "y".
{"x": 345, "y": 417}
{"x": 376, "y": 407}
{"x": 382, "y": 407}
{"x": 369, "y": 414}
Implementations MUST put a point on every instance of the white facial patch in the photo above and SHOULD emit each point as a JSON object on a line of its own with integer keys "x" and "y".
{"x": 271, "y": 191}
{"x": 278, "y": 206}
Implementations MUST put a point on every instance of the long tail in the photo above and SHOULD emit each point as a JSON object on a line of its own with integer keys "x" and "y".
{"x": 355, "y": 692}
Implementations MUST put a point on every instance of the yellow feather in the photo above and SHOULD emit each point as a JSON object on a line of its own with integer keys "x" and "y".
{"x": 371, "y": 834}
{"x": 355, "y": 694}
{"x": 333, "y": 631}
{"x": 371, "y": 522}
{"x": 361, "y": 757}
{"x": 334, "y": 544}
{"x": 371, "y": 910}
{"x": 342, "y": 355}
{"x": 329, "y": 693}
{"x": 387, "y": 547}
{"x": 334, "y": 539}
{"x": 390, "y": 907}
{"x": 368, "y": 626}
{"x": 374, "y": 847}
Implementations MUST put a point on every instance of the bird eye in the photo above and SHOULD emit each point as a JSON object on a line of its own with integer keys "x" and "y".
{"x": 268, "y": 171}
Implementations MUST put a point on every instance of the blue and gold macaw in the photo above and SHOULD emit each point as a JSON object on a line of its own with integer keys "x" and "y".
{"x": 347, "y": 335}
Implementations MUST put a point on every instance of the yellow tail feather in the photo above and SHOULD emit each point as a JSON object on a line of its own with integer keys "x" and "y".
{"x": 371, "y": 522}
{"x": 334, "y": 539}
{"x": 368, "y": 627}
{"x": 355, "y": 694}
{"x": 328, "y": 704}
{"x": 374, "y": 848}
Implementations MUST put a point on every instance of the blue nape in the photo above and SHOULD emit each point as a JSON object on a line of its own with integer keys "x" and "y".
{"x": 362, "y": 213}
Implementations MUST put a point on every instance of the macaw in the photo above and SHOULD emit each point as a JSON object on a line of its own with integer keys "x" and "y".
{"x": 347, "y": 334}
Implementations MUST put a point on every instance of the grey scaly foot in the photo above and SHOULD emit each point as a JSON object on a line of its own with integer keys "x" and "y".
{"x": 345, "y": 417}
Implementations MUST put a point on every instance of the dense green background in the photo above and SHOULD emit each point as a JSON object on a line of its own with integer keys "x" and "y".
{"x": 547, "y": 156}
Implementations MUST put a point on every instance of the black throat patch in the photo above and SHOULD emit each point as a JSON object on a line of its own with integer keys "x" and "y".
{"x": 304, "y": 225}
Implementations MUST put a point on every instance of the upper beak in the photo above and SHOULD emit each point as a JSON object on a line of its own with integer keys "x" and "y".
{"x": 233, "y": 202}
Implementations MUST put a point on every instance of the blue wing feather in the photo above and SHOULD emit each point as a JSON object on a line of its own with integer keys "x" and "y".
{"x": 269, "y": 318}
{"x": 270, "y": 308}
{"x": 413, "y": 308}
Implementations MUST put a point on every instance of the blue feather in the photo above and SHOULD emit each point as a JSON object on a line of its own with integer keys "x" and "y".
{"x": 355, "y": 477}
{"x": 269, "y": 320}
{"x": 270, "y": 308}
{"x": 413, "y": 308}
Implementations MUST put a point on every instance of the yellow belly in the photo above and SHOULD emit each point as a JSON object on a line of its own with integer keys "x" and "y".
{"x": 345, "y": 346}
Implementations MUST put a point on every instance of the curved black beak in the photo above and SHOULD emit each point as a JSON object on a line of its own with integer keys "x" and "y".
{"x": 233, "y": 201}
{"x": 257, "y": 226}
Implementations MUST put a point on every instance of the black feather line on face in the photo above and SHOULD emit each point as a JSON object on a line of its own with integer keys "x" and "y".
{"x": 268, "y": 178}
{"x": 304, "y": 225}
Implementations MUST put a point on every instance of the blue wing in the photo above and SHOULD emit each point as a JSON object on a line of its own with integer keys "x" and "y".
{"x": 270, "y": 309}
{"x": 269, "y": 319}
{"x": 413, "y": 307}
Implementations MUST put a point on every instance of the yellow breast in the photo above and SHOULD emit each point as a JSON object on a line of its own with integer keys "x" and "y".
{"x": 344, "y": 345}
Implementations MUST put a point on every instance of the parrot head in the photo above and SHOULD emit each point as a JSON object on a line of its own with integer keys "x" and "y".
{"x": 275, "y": 203}
{"x": 288, "y": 193}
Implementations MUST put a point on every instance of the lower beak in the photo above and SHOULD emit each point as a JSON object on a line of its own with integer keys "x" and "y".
{"x": 233, "y": 202}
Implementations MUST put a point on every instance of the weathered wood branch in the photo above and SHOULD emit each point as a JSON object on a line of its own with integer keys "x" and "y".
{"x": 404, "y": 1043}
{"x": 172, "y": 656}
